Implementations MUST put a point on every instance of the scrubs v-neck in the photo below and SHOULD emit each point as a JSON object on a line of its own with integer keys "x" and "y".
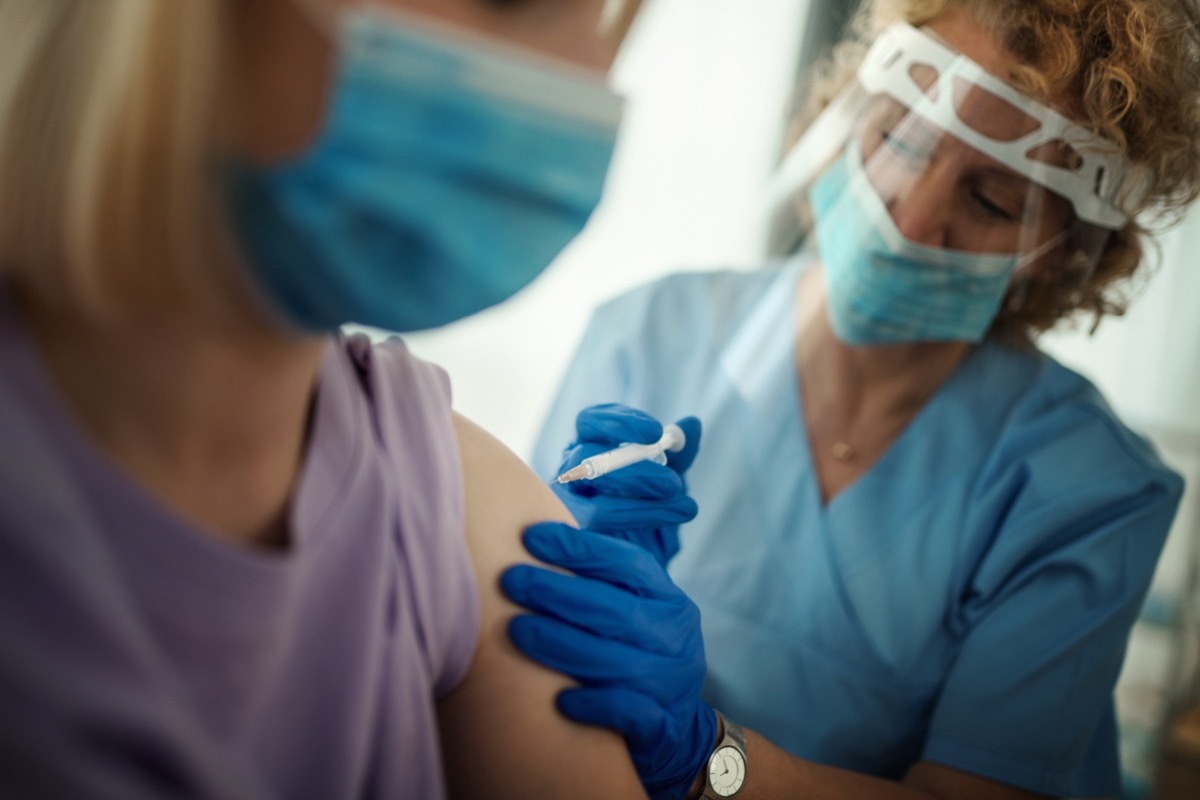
{"x": 965, "y": 601}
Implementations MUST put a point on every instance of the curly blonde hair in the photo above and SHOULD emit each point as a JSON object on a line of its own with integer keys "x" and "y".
{"x": 1133, "y": 69}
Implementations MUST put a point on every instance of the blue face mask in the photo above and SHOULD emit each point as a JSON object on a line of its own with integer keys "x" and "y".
{"x": 449, "y": 174}
{"x": 886, "y": 289}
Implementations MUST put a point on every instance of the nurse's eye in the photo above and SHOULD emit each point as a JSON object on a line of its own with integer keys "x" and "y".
{"x": 905, "y": 148}
{"x": 992, "y": 208}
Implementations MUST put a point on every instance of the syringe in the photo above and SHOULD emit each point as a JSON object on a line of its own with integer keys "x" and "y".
{"x": 672, "y": 440}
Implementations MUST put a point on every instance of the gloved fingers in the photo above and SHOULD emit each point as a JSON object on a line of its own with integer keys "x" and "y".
{"x": 694, "y": 738}
{"x": 669, "y": 749}
{"x": 683, "y": 459}
{"x": 581, "y": 506}
{"x": 592, "y": 659}
{"x": 631, "y": 513}
{"x": 611, "y": 424}
{"x": 643, "y": 479}
{"x": 603, "y": 558}
{"x": 636, "y": 716}
{"x": 662, "y": 542}
{"x": 598, "y": 608}
{"x": 667, "y": 754}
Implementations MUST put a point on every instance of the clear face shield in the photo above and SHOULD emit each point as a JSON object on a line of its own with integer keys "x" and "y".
{"x": 950, "y": 187}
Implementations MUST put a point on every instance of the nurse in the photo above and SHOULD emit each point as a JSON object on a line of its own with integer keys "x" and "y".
{"x": 921, "y": 542}
{"x": 243, "y": 556}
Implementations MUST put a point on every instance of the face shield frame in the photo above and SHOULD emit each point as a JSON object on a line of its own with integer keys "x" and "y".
{"x": 924, "y": 76}
{"x": 1098, "y": 180}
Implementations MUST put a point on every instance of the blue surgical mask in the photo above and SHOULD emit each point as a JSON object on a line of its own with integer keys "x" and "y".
{"x": 448, "y": 175}
{"x": 886, "y": 289}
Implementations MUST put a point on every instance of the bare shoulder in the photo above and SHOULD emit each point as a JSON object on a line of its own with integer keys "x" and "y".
{"x": 501, "y": 734}
{"x": 500, "y": 488}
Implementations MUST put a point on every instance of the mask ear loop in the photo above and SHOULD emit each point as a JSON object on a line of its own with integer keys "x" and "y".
{"x": 1075, "y": 270}
{"x": 1024, "y": 276}
{"x": 1028, "y": 259}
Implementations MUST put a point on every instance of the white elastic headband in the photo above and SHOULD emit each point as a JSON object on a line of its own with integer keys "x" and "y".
{"x": 1096, "y": 184}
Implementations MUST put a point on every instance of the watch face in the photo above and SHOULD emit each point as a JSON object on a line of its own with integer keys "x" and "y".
{"x": 726, "y": 771}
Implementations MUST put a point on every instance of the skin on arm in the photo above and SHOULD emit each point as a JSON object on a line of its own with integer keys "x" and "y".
{"x": 501, "y": 733}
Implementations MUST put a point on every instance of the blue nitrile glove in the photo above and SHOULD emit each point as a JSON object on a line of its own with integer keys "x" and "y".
{"x": 631, "y": 638}
{"x": 643, "y": 503}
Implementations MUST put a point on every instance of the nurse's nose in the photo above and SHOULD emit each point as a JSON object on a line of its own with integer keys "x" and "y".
{"x": 921, "y": 208}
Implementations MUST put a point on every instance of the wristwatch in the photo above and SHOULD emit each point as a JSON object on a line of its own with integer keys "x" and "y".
{"x": 727, "y": 765}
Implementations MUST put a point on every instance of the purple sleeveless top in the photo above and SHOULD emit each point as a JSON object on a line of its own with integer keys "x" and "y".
{"x": 143, "y": 658}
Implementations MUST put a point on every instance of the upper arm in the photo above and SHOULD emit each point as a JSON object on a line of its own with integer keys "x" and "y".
{"x": 501, "y": 734}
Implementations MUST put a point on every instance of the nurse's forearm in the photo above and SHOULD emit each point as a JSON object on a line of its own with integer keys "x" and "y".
{"x": 773, "y": 773}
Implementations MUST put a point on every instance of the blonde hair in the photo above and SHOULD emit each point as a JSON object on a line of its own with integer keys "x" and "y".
{"x": 1133, "y": 70}
{"x": 107, "y": 126}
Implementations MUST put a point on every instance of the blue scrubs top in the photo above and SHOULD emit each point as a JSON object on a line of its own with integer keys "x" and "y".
{"x": 967, "y": 601}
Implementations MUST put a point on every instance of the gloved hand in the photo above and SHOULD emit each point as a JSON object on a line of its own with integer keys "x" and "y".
{"x": 644, "y": 503}
{"x": 630, "y": 637}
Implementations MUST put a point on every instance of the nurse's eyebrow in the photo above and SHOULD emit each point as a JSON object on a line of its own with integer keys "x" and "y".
{"x": 1011, "y": 186}
{"x": 1006, "y": 176}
